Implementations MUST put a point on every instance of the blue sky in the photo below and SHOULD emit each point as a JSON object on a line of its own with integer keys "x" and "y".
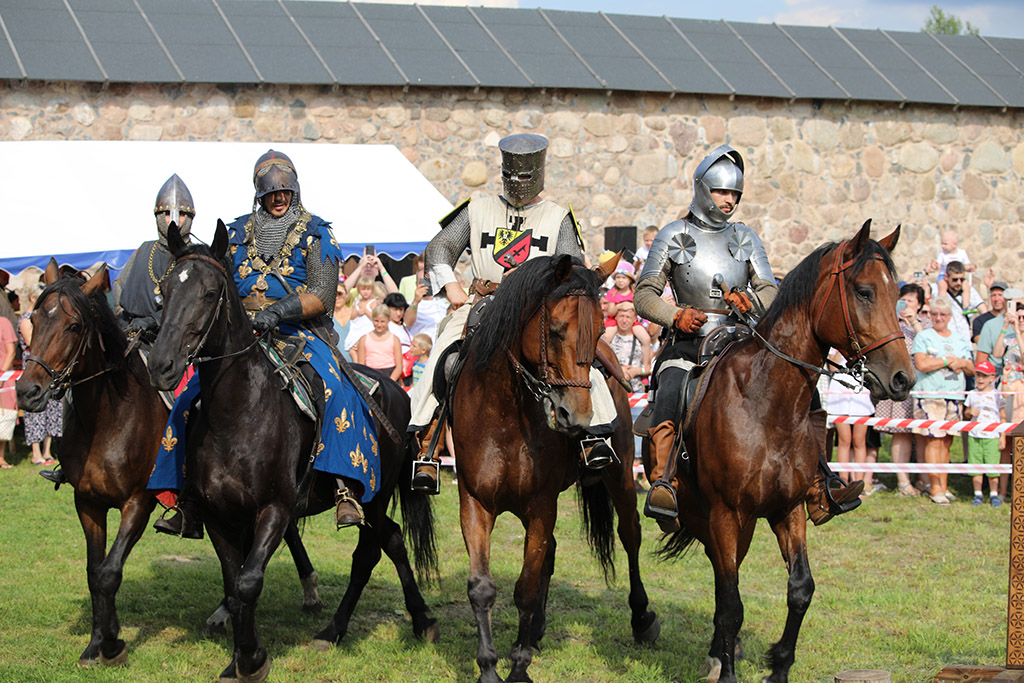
{"x": 1002, "y": 18}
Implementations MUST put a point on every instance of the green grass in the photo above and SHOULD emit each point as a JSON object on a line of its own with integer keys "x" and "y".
{"x": 902, "y": 585}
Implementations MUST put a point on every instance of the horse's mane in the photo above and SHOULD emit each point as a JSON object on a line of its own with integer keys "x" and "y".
{"x": 95, "y": 311}
{"x": 797, "y": 288}
{"x": 519, "y": 298}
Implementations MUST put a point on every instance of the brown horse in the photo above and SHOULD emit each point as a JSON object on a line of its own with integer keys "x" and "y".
{"x": 754, "y": 443}
{"x": 113, "y": 422}
{"x": 521, "y": 399}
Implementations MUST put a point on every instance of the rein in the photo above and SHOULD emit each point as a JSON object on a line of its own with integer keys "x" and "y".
{"x": 541, "y": 386}
{"x": 191, "y": 356}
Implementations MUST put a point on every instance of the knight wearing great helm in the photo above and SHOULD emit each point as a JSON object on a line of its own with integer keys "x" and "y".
{"x": 714, "y": 267}
{"x": 285, "y": 264}
{"x": 500, "y": 232}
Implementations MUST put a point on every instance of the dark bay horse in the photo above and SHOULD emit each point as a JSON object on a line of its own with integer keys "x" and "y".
{"x": 521, "y": 397}
{"x": 113, "y": 424}
{"x": 754, "y": 444}
{"x": 248, "y": 448}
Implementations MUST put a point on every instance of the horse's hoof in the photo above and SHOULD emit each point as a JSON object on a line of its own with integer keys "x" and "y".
{"x": 432, "y": 633}
{"x": 651, "y": 633}
{"x": 321, "y": 645}
{"x": 259, "y": 675}
{"x": 120, "y": 659}
{"x": 313, "y": 607}
{"x": 712, "y": 669}
{"x": 519, "y": 678}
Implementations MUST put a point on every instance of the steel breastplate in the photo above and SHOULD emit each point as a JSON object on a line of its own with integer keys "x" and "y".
{"x": 698, "y": 255}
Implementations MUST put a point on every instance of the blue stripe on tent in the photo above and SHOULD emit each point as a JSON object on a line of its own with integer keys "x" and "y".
{"x": 396, "y": 250}
{"x": 115, "y": 260}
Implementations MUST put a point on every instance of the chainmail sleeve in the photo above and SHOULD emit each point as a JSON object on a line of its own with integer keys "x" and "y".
{"x": 118, "y": 286}
{"x": 568, "y": 241}
{"x": 443, "y": 252}
{"x": 321, "y": 277}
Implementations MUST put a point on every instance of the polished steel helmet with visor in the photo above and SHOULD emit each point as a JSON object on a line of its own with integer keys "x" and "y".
{"x": 522, "y": 167}
{"x": 274, "y": 172}
{"x": 175, "y": 199}
{"x": 720, "y": 170}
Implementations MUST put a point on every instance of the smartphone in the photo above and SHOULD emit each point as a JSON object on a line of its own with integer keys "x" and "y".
{"x": 901, "y": 305}
{"x": 918, "y": 275}
{"x": 370, "y": 250}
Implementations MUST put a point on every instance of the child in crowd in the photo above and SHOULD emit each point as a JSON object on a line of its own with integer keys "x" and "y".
{"x": 366, "y": 298}
{"x": 420, "y": 351}
{"x": 622, "y": 291}
{"x": 950, "y": 251}
{"x": 984, "y": 404}
{"x": 650, "y": 232}
{"x": 380, "y": 349}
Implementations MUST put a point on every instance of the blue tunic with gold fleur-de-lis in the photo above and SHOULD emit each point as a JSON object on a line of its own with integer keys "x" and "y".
{"x": 348, "y": 441}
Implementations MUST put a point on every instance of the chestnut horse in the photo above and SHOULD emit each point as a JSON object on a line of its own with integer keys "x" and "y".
{"x": 113, "y": 422}
{"x": 518, "y": 406}
{"x": 249, "y": 448}
{"x": 754, "y": 445}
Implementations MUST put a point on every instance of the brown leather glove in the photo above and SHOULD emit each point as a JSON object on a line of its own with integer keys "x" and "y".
{"x": 689, "y": 320}
{"x": 738, "y": 299}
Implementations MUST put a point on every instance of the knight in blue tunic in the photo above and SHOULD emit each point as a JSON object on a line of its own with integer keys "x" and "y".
{"x": 286, "y": 264}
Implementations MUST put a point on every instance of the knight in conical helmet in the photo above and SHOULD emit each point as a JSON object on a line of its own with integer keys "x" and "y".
{"x": 500, "y": 232}
{"x": 714, "y": 267}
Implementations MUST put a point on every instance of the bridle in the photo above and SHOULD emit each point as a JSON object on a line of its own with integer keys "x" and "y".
{"x": 837, "y": 279}
{"x": 542, "y": 385}
{"x": 191, "y": 354}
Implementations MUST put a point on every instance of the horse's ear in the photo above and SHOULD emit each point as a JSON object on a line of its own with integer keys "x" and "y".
{"x": 859, "y": 241}
{"x": 605, "y": 270}
{"x": 889, "y": 241}
{"x": 220, "y": 240}
{"x": 97, "y": 281}
{"x": 175, "y": 243}
{"x": 563, "y": 268}
{"x": 52, "y": 272}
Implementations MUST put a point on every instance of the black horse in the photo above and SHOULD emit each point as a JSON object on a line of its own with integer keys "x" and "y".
{"x": 248, "y": 469}
{"x": 113, "y": 422}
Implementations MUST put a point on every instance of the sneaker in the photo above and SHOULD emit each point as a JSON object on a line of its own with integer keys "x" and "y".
{"x": 949, "y": 496}
{"x": 940, "y": 500}
{"x": 978, "y": 500}
{"x": 996, "y": 501}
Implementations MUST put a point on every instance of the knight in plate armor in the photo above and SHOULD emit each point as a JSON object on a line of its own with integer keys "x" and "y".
{"x": 713, "y": 266}
{"x": 500, "y": 232}
{"x": 285, "y": 264}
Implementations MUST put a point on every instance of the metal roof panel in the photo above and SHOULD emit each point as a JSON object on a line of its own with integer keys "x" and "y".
{"x": 614, "y": 60}
{"x": 349, "y": 49}
{"x": 953, "y": 75}
{"x": 415, "y": 45}
{"x": 122, "y": 41}
{"x": 680, "y": 63}
{"x": 989, "y": 65}
{"x": 473, "y": 44}
{"x": 288, "y": 58}
{"x": 897, "y": 67}
{"x": 199, "y": 41}
{"x": 843, "y": 62}
{"x": 728, "y": 54}
{"x": 1012, "y": 50}
{"x": 792, "y": 66}
{"x": 48, "y": 42}
{"x": 537, "y": 48}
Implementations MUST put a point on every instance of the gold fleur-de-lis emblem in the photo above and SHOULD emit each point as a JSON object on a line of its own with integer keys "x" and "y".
{"x": 244, "y": 270}
{"x": 184, "y": 416}
{"x": 342, "y": 423}
{"x": 234, "y": 247}
{"x": 308, "y": 356}
{"x": 373, "y": 446}
{"x": 327, "y": 394}
{"x": 287, "y": 269}
{"x": 373, "y": 481}
{"x": 357, "y": 457}
{"x": 320, "y": 448}
{"x": 169, "y": 441}
{"x": 335, "y": 373}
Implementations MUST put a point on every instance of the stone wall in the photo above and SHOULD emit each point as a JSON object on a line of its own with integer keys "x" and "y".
{"x": 815, "y": 171}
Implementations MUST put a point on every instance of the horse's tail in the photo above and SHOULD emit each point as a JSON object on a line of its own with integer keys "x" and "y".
{"x": 418, "y": 522}
{"x": 676, "y": 544}
{"x": 599, "y": 525}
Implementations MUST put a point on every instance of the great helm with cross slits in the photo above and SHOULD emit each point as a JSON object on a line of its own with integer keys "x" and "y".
{"x": 522, "y": 167}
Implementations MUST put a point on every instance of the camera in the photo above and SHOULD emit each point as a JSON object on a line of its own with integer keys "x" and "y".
{"x": 370, "y": 250}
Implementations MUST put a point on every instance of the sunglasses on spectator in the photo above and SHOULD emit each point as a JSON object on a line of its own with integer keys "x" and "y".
{"x": 956, "y": 279}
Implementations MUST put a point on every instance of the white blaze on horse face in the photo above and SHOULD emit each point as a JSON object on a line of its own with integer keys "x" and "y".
{"x": 183, "y": 274}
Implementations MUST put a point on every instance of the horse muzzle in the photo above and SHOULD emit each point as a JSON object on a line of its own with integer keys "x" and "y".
{"x": 32, "y": 396}
{"x": 164, "y": 373}
{"x": 897, "y": 388}
{"x": 565, "y": 415}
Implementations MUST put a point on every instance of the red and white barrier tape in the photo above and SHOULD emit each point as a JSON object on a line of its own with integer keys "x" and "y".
{"x": 890, "y": 467}
{"x": 961, "y": 426}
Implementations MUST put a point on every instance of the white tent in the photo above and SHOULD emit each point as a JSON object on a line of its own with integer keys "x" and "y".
{"x": 84, "y": 202}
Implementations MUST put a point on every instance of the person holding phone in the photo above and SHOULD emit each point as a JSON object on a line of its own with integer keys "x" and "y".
{"x": 992, "y": 324}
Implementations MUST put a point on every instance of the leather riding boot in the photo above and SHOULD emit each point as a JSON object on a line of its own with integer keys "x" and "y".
{"x": 57, "y": 476}
{"x": 825, "y": 502}
{"x": 186, "y": 521}
{"x": 661, "y": 499}
{"x": 348, "y": 512}
{"x": 426, "y": 468}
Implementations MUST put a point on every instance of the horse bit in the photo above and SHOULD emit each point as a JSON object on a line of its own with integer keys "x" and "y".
{"x": 541, "y": 386}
